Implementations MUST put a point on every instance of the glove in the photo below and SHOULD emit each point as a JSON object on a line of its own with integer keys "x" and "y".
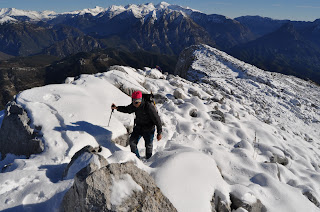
{"x": 113, "y": 106}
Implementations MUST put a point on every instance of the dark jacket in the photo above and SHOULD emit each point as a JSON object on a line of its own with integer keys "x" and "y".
{"x": 146, "y": 116}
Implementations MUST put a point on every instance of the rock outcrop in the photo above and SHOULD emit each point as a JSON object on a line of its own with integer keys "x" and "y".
{"x": 16, "y": 135}
{"x": 86, "y": 157}
{"x": 279, "y": 159}
{"x": 185, "y": 60}
{"x": 250, "y": 207}
{"x": 312, "y": 199}
{"x": 115, "y": 187}
{"x": 217, "y": 115}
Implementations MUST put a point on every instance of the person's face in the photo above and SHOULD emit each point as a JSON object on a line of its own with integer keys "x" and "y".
{"x": 136, "y": 103}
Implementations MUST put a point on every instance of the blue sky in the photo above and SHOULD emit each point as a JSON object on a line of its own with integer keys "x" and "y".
{"x": 305, "y": 10}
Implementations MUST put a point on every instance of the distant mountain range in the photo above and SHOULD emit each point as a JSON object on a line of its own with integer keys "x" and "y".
{"x": 287, "y": 47}
{"x": 290, "y": 47}
{"x": 162, "y": 28}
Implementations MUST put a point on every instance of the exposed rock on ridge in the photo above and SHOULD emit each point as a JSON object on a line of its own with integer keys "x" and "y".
{"x": 95, "y": 190}
{"x": 16, "y": 135}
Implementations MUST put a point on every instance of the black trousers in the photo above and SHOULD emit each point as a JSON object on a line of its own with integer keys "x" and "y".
{"x": 148, "y": 139}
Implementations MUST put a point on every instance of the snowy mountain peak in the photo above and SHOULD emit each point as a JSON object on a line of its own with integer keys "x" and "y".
{"x": 13, "y": 14}
{"x": 139, "y": 11}
{"x": 94, "y": 11}
{"x": 163, "y": 4}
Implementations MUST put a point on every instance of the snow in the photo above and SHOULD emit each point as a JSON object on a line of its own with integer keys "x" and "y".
{"x": 140, "y": 11}
{"x": 266, "y": 114}
{"x": 187, "y": 165}
{"x": 7, "y": 19}
{"x": 82, "y": 162}
{"x": 94, "y": 11}
{"x": 5, "y": 13}
{"x": 122, "y": 189}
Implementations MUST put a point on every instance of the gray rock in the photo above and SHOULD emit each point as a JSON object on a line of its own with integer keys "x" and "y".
{"x": 279, "y": 159}
{"x": 194, "y": 92}
{"x": 160, "y": 99}
{"x": 94, "y": 191}
{"x": 124, "y": 139}
{"x": 16, "y": 135}
{"x": 118, "y": 68}
{"x": 310, "y": 196}
{"x": 219, "y": 206}
{"x": 185, "y": 61}
{"x": 217, "y": 115}
{"x": 193, "y": 113}
{"x": 92, "y": 151}
{"x": 238, "y": 203}
{"x": 184, "y": 65}
{"x": 179, "y": 94}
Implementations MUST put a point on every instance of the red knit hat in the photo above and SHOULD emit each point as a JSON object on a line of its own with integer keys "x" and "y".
{"x": 137, "y": 95}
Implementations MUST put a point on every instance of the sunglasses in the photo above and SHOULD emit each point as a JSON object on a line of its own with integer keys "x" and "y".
{"x": 136, "y": 102}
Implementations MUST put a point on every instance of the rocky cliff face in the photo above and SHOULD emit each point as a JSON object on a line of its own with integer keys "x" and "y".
{"x": 23, "y": 39}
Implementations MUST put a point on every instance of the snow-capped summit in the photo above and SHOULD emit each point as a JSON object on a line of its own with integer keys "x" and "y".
{"x": 94, "y": 11}
{"x": 139, "y": 11}
{"x": 165, "y": 5}
{"x": 16, "y": 14}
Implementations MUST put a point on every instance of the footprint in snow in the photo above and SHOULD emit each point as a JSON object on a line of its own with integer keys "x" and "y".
{"x": 51, "y": 97}
{"x": 34, "y": 197}
{"x": 8, "y": 201}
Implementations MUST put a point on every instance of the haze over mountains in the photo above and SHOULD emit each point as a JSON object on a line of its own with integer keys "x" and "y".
{"x": 284, "y": 46}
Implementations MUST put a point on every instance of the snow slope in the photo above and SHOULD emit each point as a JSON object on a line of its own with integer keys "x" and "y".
{"x": 266, "y": 114}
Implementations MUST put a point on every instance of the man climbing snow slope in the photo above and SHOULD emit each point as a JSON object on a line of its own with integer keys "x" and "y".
{"x": 144, "y": 124}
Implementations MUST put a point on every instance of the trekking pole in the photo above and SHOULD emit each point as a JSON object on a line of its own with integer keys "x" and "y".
{"x": 110, "y": 117}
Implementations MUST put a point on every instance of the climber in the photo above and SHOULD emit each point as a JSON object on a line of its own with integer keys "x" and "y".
{"x": 144, "y": 124}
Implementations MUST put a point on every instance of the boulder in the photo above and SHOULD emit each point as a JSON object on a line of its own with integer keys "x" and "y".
{"x": 194, "y": 92}
{"x": 217, "y": 115}
{"x": 250, "y": 207}
{"x": 124, "y": 139}
{"x": 16, "y": 135}
{"x": 193, "y": 113}
{"x": 160, "y": 99}
{"x": 179, "y": 94}
{"x": 86, "y": 157}
{"x": 310, "y": 196}
{"x": 279, "y": 159}
{"x": 115, "y": 187}
{"x": 218, "y": 205}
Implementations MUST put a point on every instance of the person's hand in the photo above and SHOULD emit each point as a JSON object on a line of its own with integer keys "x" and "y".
{"x": 159, "y": 136}
{"x": 113, "y": 106}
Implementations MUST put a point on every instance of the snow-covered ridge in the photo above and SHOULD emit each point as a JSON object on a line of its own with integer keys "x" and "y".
{"x": 139, "y": 11}
{"x": 94, "y": 11}
{"x": 264, "y": 88}
{"x": 266, "y": 117}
